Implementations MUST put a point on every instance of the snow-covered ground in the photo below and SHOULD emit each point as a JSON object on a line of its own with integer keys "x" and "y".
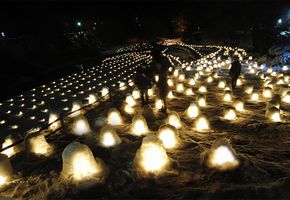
{"x": 259, "y": 144}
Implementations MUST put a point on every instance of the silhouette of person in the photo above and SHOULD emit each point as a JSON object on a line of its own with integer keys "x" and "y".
{"x": 143, "y": 80}
{"x": 235, "y": 72}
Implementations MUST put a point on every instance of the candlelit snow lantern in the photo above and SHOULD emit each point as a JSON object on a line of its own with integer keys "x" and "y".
{"x": 180, "y": 87}
{"x": 230, "y": 114}
{"x": 108, "y": 137}
{"x": 150, "y": 92}
{"x": 139, "y": 125}
{"x": 191, "y": 81}
{"x": 114, "y": 117}
{"x": 122, "y": 86}
{"x": 201, "y": 123}
{"x": 81, "y": 126}
{"x": 239, "y": 106}
{"x": 151, "y": 157}
{"x": 272, "y": 103}
{"x": 159, "y": 104}
{"x": 181, "y": 77}
{"x": 249, "y": 89}
{"x": 76, "y": 109}
{"x": 105, "y": 92}
{"x": 136, "y": 94}
{"x": 175, "y": 73}
{"x": 209, "y": 79}
{"x": 222, "y": 156}
{"x": 128, "y": 109}
{"x": 11, "y": 139}
{"x": 267, "y": 92}
{"x": 273, "y": 114}
{"x": 192, "y": 111}
{"x": 222, "y": 84}
{"x": 202, "y": 89}
{"x": 227, "y": 96}
{"x": 170, "y": 82}
{"x": 286, "y": 97}
{"x": 130, "y": 100}
{"x": 168, "y": 134}
{"x": 52, "y": 120}
{"x": 280, "y": 81}
{"x": 201, "y": 100}
{"x": 6, "y": 170}
{"x": 79, "y": 165}
{"x": 174, "y": 120}
{"x": 188, "y": 92}
{"x": 36, "y": 143}
{"x": 239, "y": 82}
{"x": 170, "y": 95}
{"x": 156, "y": 78}
{"x": 255, "y": 96}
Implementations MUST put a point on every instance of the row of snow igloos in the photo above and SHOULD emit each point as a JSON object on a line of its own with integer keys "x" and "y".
{"x": 78, "y": 161}
{"x": 28, "y": 111}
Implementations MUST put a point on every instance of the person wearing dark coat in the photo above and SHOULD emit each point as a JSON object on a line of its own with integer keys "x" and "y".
{"x": 235, "y": 72}
{"x": 143, "y": 80}
{"x": 161, "y": 66}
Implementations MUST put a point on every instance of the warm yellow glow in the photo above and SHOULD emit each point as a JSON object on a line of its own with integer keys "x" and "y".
{"x": 249, "y": 89}
{"x": 114, "y": 117}
{"x": 9, "y": 152}
{"x": 180, "y": 87}
{"x": 188, "y": 92}
{"x": 104, "y": 91}
{"x": 280, "y": 81}
{"x": 175, "y": 73}
{"x": 174, "y": 120}
{"x": 136, "y": 94}
{"x": 181, "y": 77}
{"x": 122, "y": 86}
{"x": 159, "y": 104}
{"x": 239, "y": 106}
{"x": 130, "y": 100}
{"x": 267, "y": 92}
{"x": 201, "y": 101}
{"x": 150, "y": 92}
{"x": 79, "y": 163}
{"x": 201, "y": 123}
{"x": 151, "y": 156}
{"x": 52, "y": 118}
{"x": 230, "y": 114}
{"x": 2, "y": 180}
{"x": 275, "y": 117}
{"x": 170, "y": 82}
{"x": 156, "y": 78}
{"x": 109, "y": 137}
{"x": 209, "y": 79}
{"x": 227, "y": 97}
{"x": 128, "y": 109}
{"x": 170, "y": 95}
{"x": 202, "y": 89}
{"x": 191, "y": 81}
{"x": 255, "y": 96}
{"x": 222, "y": 84}
{"x": 39, "y": 146}
{"x": 76, "y": 106}
{"x": 168, "y": 135}
{"x": 286, "y": 97}
{"x": 239, "y": 82}
{"x": 139, "y": 125}
{"x": 92, "y": 98}
{"x": 223, "y": 158}
{"x": 81, "y": 126}
{"x": 192, "y": 111}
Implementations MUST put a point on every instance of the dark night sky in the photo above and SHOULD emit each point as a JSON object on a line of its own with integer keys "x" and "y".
{"x": 49, "y": 16}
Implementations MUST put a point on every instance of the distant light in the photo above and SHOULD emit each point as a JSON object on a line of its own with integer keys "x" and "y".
{"x": 79, "y": 24}
{"x": 280, "y": 21}
{"x": 2, "y": 34}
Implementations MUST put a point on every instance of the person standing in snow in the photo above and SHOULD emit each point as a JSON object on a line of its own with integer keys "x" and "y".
{"x": 161, "y": 66}
{"x": 144, "y": 81}
{"x": 235, "y": 72}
